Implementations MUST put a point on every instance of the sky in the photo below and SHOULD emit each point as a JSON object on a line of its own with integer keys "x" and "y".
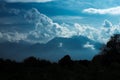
{"x": 44, "y": 24}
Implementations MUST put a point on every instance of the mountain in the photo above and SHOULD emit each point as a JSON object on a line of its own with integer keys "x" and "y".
{"x": 74, "y": 43}
{"x": 53, "y": 50}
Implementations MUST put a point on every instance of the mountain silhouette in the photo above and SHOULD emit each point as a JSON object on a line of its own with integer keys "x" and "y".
{"x": 57, "y": 47}
{"x": 105, "y": 66}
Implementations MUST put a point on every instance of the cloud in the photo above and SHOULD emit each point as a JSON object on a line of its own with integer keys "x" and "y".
{"x": 88, "y": 45}
{"x": 24, "y": 1}
{"x": 107, "y": 24}
{"x": 45, "y": 29}
{"x": 12, "y": 37}
{"x": 101, "y": 34}
{"x": 87, "y": 31}
{"x": 42, "y": 29}
{"x": 60, "y": 44}
{"x": 67, "y": 18}
{"x": 110, "y": 11}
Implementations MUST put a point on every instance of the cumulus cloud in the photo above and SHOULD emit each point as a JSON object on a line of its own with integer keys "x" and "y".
{"x": 101, "y": 34}
{"x": 24, "y": 1}
{"x": 107, "y": 24}
{"x": 44, "y": 29}
{"x": 110, "y": 11}
{"x": 87, "y": 31}
{"x": 12, "y": 37}
{"x": 88, "y": 45}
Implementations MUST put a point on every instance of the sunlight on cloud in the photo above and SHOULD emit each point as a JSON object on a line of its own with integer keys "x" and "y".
{"x": 101, "y": 34}
{"x": 110, "y": 11}
{"x": 44, "y": 29}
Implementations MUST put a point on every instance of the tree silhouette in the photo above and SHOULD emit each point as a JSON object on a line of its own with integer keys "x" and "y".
{"x": 66, "y": 60}
{"x": 31, "y": 60}
{"x": 36, "y": 62}
{"x": 1, "y": 60}
{"x": 105, "y": 66}
{"x": 111, "y": 52}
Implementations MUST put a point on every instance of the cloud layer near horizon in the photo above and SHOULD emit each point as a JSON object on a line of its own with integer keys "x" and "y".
{"x": 110, "y": 11}
{"x": 42, "y": 29}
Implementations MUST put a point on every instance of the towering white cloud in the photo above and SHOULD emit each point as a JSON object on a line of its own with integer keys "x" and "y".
{"x": 101, "y": 34}
{"x": 44, "y": 29}
{"x": 110, "y": 11}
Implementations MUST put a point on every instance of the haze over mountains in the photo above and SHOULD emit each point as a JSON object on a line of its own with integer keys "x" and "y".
{"x": 53, "y": 50}
{"x": 49, "y": 30}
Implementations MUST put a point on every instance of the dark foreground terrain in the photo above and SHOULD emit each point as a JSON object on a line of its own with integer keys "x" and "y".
{"x": 105, "y": 66}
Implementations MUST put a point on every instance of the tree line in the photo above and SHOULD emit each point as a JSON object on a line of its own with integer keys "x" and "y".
{"x": 104, "y": 66}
